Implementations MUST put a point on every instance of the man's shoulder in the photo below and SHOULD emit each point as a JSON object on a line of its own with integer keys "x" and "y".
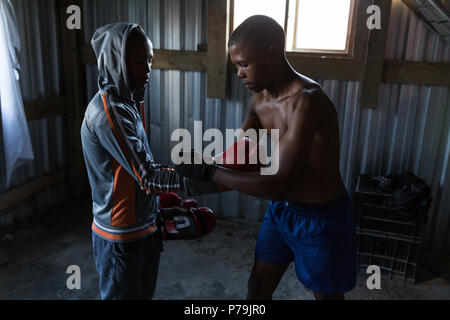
{"x": 311, "y": 102}
{"x": 306, "y": 97}
{"x": 101, "y": 106}
{"x": 94, "y": 108}
{"x": 303, "y": 88}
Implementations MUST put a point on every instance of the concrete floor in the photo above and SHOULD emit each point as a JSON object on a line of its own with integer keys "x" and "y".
{"x": 34, "y": 259}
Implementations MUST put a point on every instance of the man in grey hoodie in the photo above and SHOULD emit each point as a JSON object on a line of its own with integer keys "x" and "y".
{"x": 124, "y": 179}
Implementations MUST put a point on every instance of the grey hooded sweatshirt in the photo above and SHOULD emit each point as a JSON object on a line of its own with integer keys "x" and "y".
{"x": 116, "y": 151}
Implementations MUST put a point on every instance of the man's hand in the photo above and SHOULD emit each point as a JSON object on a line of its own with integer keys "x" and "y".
{"x": 196, "y": 169}
{"x": 196, "y": 187}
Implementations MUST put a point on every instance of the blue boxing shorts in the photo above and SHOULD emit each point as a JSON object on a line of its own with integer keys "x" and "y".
{"x": 319, "y": 237}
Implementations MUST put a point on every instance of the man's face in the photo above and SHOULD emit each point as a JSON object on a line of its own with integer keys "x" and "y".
{"x": 139, "y": 58}
{"x": 253, "y": 67}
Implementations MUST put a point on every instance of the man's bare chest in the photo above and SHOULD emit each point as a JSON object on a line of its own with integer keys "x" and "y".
{"x": 272, "y": 116}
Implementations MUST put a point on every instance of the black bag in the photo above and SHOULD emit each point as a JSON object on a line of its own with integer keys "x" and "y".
{"x": 411, "y": 194}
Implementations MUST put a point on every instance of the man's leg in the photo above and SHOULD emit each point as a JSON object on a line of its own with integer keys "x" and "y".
{"x": 264, "y": 279}
{"x": 104, "y": 265}
{"x": 150, "y": 256}
{"x": 126, "y": 270}
{"x": 274, "y": 251}
{"x": 136, "y": 267}
{"x": 326, "y": 262}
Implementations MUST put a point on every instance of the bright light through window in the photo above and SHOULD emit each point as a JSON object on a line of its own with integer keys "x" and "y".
{"x": 312, "y": 25}
{"x": 322, "y": 24}
{"x": 276, "y": 9}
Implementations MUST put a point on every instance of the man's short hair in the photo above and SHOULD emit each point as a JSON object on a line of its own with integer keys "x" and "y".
{"x": 260, "y": 30}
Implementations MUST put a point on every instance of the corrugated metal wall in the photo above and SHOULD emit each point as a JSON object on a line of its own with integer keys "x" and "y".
{"x": 39, "y": 78}
{"x": 409, "y": 130}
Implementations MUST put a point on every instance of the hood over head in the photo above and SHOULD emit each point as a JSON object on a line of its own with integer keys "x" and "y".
{"x": 109, "y": 44}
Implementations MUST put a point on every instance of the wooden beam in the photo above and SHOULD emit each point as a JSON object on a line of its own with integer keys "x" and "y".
{"x": 163, "y": 59}
{"x": 373, "y": 66}
{"x": 74, "y": 89}
{"x": 393, "y": 71}
{"x": 180, "y": 60}
{"x": 15, "y": 197}
{"x": 414, "y": 7}
{"x": 218, "y": 32}
{"x": 362, "y": 32}
{"x": 419, "y": 73}
{"x": 407, "y": 72}
{"x": 44, "y": 108}
{"x": 326, "y": 68}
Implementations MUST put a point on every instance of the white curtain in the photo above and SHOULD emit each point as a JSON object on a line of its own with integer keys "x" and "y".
{"x": 16, "y": 138}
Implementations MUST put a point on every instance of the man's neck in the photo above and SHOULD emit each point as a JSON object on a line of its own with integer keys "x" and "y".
{"x": 281, "y": 79}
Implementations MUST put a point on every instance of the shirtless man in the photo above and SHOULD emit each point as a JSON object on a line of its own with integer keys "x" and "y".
{"x": 310, "y": 218}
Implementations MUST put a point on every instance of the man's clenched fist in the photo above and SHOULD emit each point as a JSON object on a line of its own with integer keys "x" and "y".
{"x": 196, "y": 168}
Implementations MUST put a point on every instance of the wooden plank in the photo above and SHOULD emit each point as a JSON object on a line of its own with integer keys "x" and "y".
{"x": 218, "y": 33}
{"x": 74, "y": 89}
{"x": 408, "y": 72}
{"x": 163, "y": 59}
{"x": 420, "y": 73}
{"x": 44, "y": 108}
{"x": 180, "y": 60}
{"x": 374, "y": 62}
{"x": 15, "y": 197}
{"x": 361, "y": 34}
{"x": 441, "y": 6}
{"x": 326, "y": 68}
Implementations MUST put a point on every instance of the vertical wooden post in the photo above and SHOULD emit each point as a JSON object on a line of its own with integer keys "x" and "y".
{"x": 218, "y": 32}
{"x": 72, "y": 83}
{"x": 373, "y": 66}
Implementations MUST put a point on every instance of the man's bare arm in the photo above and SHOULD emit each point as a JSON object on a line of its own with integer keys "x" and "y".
{"x": 251, "y": 121}
{"x": 294, "y": 149}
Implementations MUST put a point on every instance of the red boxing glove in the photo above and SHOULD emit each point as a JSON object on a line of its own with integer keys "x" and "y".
{"x": 189, "y": 203}
{"x": 238, "y": 157}
{"x": 206, "y": 219}
{"x": 169, "y": 200}
{"x": 181, "y": 224}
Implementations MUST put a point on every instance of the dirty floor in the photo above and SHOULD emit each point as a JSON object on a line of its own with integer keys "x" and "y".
{"x": 34, "y": 259}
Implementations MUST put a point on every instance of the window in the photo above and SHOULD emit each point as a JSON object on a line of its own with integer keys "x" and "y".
{"x": 242, "y": 9}
{"x": 16, "y": 137}
{"x": 311, "y": 26}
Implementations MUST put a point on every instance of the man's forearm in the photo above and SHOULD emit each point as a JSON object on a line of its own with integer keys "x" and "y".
{"x": 159, "y": 178}
{"x": 252, "y": 183}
